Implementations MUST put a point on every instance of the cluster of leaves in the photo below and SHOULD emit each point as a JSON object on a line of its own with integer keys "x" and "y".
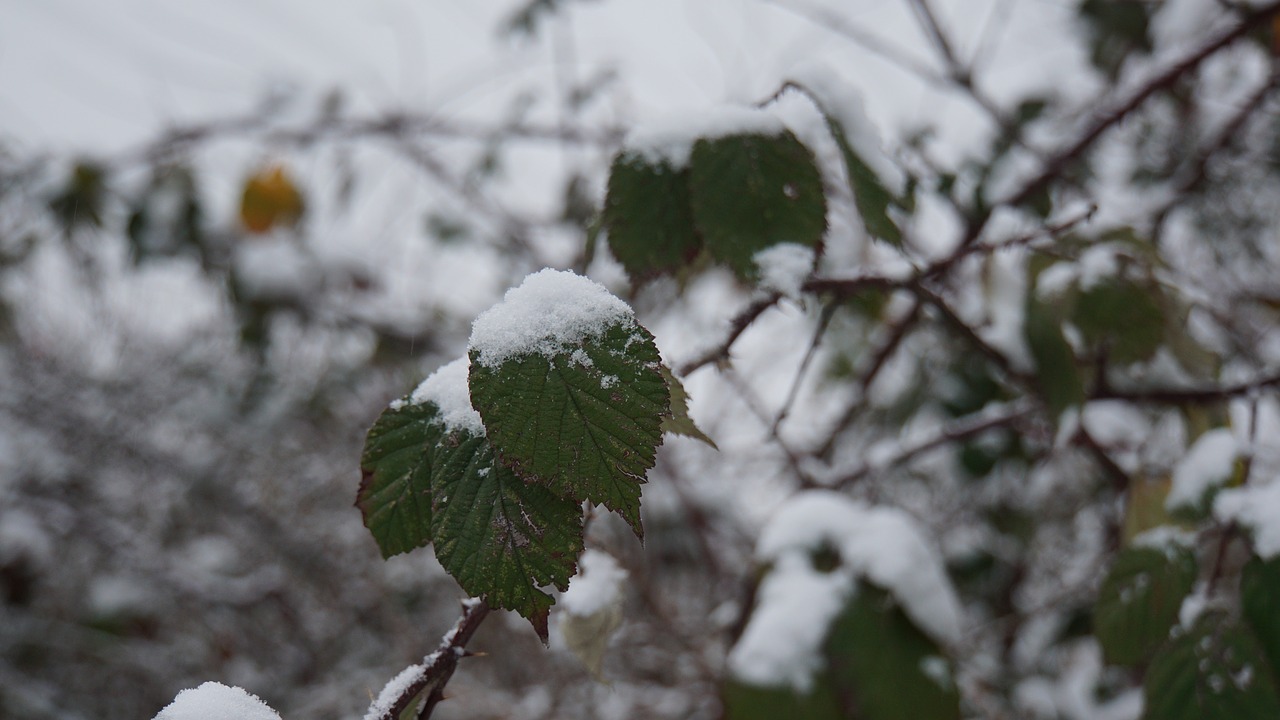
{"x": 739, "y": 192}
{"x": 502, "y": 502}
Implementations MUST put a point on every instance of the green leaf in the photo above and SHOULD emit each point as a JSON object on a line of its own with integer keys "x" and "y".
{"x": 749, "y": 192}
{"x": 1260, "y": 603}
{"x": 648, "y": 216}
{"x": 1139, "y": 601}
{"x": 395, "y": 485}
{"x": 751, "y": 702}
{"x": 586, "y": 422}
{"x": 498, "y": 536}
{"x": 870, "y": 195}
{"x": 888, "y": 667}
{"x": 678, "y": 422}
{"x": 1057, "y": 377}
{"x": 1122, "y": 317}
{"x": 1215, "y": 670}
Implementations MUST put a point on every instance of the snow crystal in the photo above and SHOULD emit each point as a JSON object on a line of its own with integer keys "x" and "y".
{"x": 1208, "y": 463}
{"x": 1256, "y": 507}
{"x": 215, "y": 701}
{"x": 549, "y": 312}
{"x": 784, "y": 267}
{"x": 447, "y": 388}
{"x": 670, "y": 140}
{"x": 797, "y": 602}
{"x": 394, "y": 688}
{"x": 596, "y": 585}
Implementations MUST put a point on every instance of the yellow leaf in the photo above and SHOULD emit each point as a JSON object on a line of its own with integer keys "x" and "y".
{"x": 270, "y": 198}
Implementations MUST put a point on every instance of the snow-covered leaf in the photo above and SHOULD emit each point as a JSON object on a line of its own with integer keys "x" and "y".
{"x": 395, "y": 484}
{"x": 1216, "y": 669}
{"x": 678, "y": 422}
{"x": 500, "y": 537}
{"x": 889, "y": 668}
{"x": 752, "y": 191}
{"x": 1139, "y": 601}
{"x": 648, "y": 216}
{"x": 584, "y": 423}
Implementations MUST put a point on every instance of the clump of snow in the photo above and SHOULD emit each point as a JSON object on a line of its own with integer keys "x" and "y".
{"x": 596, "y": 586}
{"x": 670, "y": 140}
{"x": 447, "y": 388}
{"x": 551, "y": 311}
{"x": 394, "y": 688}
{"x": 1257, "y": 507}
{"x": 784, "y": 267}
{"x": 1208, "y": 464}
{"x": 797, "y": 602}
{"x": 845, "y": 105}
{"x": 215, "y": 701}
{"x": 1164, "y": 537}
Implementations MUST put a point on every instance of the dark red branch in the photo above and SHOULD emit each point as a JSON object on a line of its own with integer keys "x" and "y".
{"x": 437, "y": 668}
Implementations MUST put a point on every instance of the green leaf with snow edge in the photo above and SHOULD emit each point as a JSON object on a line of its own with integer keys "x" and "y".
{"x": 677, "y": 421}
{"x": 647, "y": 213}
{"x": 889, "y": 667}
{"x": 498, "y": 536}
{"x": 395, "y": 486}
{"x": 1216, "y": 669}
{"x": 1260, "y": 606}
{"x": 749, "y": 192}
{"x": 584, "y": 422}
{"x": 1139, "y": 601}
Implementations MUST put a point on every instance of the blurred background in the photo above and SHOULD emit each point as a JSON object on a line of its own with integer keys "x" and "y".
{"x": 230, "y": 233}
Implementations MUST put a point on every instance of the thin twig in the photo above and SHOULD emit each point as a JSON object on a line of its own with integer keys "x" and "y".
{"x": 824, "y": 320}
{"x": 962, "y": 429}
{"x": 737, "y": 326}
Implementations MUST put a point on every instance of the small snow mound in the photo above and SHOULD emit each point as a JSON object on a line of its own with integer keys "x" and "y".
{"x": 596, "y": 585}
{"x": 215, "y": 701}
{"x": 447, "y": 388}
{"x": 1208, "y": 463}
{"x": 784, "y": 267}
{"x": 1257, "y": 508}
{"x": 549, "y": 312}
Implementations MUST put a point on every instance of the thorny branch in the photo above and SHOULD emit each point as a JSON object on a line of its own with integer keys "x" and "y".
{"x": 437, "y": 668}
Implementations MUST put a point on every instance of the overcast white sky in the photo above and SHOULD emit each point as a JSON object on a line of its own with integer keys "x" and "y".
{"x": 83, "y": 74}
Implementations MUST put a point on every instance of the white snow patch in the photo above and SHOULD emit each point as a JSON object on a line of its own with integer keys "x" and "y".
{"x": 796, "y": 602}
{"x": 1165, "y": 536}
{"x": 1256, "y": 507}
{"x": 1208, "y": 463}
{"x": 551, "y": 311}
{"x": 447, "y": 387}
{"x": 795, "y": 605}
{"x": 784, "y": 267}
{"x": 670, "y": 140}
{"x": 215, "y": 701}
{"x": 845, "y": 105}
{"x": 394, "y": 688}
{"x": 596, "y": 586}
